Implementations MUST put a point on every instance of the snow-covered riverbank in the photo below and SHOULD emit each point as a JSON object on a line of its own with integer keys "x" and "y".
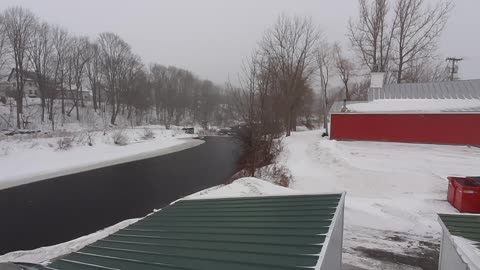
{"x": 26, "y": 160}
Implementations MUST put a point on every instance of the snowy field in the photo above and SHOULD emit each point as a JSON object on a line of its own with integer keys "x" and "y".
{"x": 393, "y": 194}
{"x": 29, "y": 158}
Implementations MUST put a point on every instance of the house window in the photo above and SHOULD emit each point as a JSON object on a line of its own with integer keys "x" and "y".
{"x": 31, "y": 92}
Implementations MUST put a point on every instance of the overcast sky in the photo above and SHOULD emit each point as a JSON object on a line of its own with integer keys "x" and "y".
{"x": 212, "y": 37}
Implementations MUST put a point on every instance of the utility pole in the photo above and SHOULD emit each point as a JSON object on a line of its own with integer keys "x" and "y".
{"x": 453, "y": 69}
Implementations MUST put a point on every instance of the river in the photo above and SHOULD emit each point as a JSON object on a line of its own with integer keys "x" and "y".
{"x": 60, "y": 209}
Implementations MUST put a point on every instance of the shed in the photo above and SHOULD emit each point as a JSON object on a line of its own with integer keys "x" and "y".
{"x": 460, "y": 249}
{"x": 439, "y": 113}
{"x": 254, "y": 233}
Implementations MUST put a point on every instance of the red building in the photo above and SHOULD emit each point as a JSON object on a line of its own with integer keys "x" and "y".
{"x": 439, "y": 113}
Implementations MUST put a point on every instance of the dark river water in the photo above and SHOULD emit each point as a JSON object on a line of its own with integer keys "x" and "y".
{"x": 61, "y": 209}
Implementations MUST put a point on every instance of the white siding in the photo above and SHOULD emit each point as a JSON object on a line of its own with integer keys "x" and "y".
{"x": 449, "y": 257}
{"x": 332, "y": 259}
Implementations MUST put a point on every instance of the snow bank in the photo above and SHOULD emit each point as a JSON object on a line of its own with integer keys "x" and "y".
{"x": 44, "y": 255}
{"x": 243, "y": 187}
{"x": 416, "y": 105}
{"x": 394, "y": 190}
{"x": 27, "y": 161}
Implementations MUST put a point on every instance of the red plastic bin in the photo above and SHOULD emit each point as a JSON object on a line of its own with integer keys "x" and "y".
{"x": 451, "y": 189}
{"x": 465, "y": 194}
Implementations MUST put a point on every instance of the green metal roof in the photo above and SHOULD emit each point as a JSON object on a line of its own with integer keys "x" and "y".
{"x": 463, "y": 225}
{"x": 255, "y": 233}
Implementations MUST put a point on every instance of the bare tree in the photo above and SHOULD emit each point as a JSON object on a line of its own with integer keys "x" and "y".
{"x": 206, "y": 103}
{"x": 425, "y": 70}
{"x": 41, "y": 55}
{"x": 344, "y": 68}
{"x": 93, "y": 73}
{"x": 113, "y": 54}
{"x": 3, "y": 43}
{"x": 359, "y": 90}
{"x": 325, "y": 64}
{"x": 141, "y": 97}
{"x": 371, "y": 34}
{"x": 289, "y": 48}
{"x": 19, "y": 25}
{"x": 417, "y": 31}
{"x": 130, "y": 71}
{"x": 78, "y": 56}
{"x": 254, "y": 102}
{"x": 158, "y": 80}
{"x": 60, "y": 40}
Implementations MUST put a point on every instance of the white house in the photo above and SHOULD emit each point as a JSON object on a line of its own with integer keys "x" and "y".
{"x": 32, "y": 89}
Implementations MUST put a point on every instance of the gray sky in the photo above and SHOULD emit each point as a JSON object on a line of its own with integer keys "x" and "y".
{"x": 212, "y": 37}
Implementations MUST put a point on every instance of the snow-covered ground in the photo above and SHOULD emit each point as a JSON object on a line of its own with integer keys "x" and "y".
{"x": 248, "y": 186}
{"x": 393, "y": 191}
{"x": 25, "y": 159}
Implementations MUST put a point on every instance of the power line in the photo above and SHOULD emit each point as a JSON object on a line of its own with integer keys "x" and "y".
{"x": 454, "y": 68}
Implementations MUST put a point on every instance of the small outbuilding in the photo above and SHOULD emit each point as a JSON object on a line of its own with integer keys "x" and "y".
{"x": 460, "y": 248}
{"x": 254, "y": 233}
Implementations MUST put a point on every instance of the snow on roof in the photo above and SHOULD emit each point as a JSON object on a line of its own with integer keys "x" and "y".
{"x": 417, "y": 105}
{"x": 248, "y": 186}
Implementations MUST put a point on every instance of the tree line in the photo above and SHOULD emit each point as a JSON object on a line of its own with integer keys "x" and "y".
{"x": 64, "y": 65}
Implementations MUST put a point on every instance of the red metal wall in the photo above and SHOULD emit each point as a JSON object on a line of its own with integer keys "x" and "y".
{"x": 452, "y": 128}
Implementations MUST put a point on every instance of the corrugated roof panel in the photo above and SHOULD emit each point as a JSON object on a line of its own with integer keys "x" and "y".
{"x": 431, "y": 90}
{"x": 255, "y": 233}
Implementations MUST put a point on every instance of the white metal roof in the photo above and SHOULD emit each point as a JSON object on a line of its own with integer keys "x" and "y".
{"x": 466, "y": 89}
